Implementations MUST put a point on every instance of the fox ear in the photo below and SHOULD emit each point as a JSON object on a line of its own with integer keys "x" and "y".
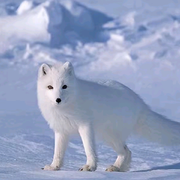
{"x": 69, "y": 68}
{"x": 43, "y": 70}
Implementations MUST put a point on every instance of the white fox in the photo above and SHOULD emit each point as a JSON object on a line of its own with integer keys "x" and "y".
{"x": 109, "y": 110}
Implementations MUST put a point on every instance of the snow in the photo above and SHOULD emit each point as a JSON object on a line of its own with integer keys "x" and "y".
{"x": 24, "y": 7}
{"x": 134, "y": 42}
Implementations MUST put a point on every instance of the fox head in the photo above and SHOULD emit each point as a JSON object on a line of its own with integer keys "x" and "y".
{"x": 56, "y": 83}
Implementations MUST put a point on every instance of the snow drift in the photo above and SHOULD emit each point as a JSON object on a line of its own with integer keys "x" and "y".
{"x": 52, "y": 22}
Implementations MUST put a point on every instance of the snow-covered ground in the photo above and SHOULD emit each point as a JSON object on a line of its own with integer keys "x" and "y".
{"x": 136, "y": 42}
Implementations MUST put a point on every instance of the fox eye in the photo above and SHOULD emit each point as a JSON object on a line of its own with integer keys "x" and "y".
{"x": 50, "y": 87}
{"x": 64, "y": 87}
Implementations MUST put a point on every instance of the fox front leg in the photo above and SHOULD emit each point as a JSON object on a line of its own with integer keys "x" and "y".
{"x": 87, "y": 137}
{"x": 61, "y": 141}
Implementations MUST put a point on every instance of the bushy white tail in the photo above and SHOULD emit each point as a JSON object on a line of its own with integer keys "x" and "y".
{"x": 157, "y": 128}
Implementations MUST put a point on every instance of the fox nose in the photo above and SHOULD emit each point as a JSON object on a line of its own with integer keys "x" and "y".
{"x": 58, "y": 100}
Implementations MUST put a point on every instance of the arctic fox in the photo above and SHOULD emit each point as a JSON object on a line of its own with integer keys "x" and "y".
{"x": 109, "y": 110}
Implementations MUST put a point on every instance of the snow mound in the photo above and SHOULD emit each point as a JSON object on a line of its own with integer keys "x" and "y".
{"x": 52, "y": 22}
{"x": 24, "y": 7}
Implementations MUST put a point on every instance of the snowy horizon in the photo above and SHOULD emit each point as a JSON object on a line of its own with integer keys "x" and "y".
{"x": 134, "y": 42}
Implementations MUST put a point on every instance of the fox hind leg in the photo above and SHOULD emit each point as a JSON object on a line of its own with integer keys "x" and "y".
{"x": 122, "y": 163}
{"x": 127, "y": 161}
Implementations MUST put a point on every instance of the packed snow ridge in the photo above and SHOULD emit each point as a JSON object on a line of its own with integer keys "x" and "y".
{"x": 52, "y": 22}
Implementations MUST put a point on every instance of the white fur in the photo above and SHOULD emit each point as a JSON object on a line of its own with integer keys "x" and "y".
{"x": 108, "y": 109}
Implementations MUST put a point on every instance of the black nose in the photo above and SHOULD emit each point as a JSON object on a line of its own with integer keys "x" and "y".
{"x": 58, "y": 100}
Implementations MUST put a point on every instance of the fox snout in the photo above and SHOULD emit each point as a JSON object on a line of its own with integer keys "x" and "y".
{"x": 58, "y": 100}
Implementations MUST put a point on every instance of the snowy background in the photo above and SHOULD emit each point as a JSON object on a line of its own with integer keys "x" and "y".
{"x": 136, "y": 42}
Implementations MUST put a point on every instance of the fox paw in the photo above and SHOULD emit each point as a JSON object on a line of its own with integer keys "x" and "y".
{"x": 51, "y": 168}
{"x": 113, "y": 169}
{"x": 87, "y": 168}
